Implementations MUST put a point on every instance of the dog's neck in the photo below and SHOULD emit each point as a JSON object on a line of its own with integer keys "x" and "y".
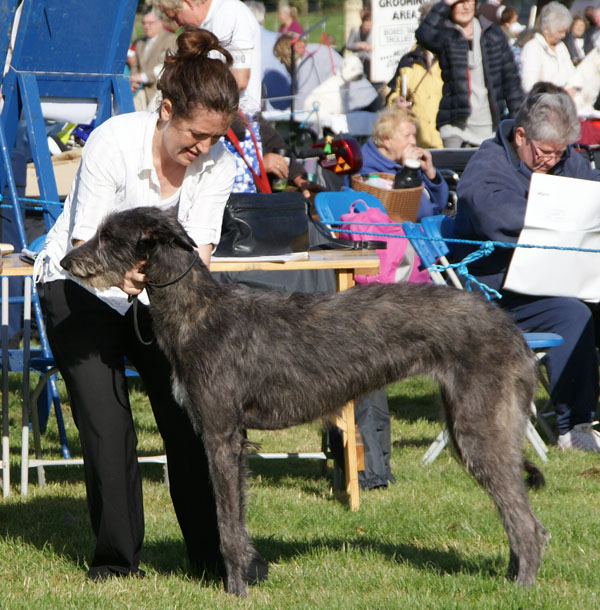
{"x": 177, "y": 278}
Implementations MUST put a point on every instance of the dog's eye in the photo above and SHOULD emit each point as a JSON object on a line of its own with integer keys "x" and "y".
{"x": 106, "y": 234}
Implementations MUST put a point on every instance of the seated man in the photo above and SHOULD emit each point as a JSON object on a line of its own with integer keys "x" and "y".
{"x": 492, "y": 198}
{"x": 394, "y": 139}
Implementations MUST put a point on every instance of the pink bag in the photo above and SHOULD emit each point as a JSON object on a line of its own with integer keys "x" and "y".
{"x": 398, "y": 262}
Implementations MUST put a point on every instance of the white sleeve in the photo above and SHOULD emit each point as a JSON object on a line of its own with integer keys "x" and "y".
{"x": 99, "y": 178}
{"x": 201, "y": 211}
{"x": 531, "y": 69}
{"x": 242, "y": 45}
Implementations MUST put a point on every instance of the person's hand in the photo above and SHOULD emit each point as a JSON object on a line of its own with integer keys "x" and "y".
{"x": 307, "y": 188}
{"x": 133, "y": 281}
{"x": 402, "y": 102}
{"x": 276, "y": 164}
{"x": 363, "y": 46}
{"x": 423, "y": 156}
{"x": 134, "y": 82}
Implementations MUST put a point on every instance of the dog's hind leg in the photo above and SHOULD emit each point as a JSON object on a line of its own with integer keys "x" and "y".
{"x": 491, "y": 451}
{"x": 224, "y": 450}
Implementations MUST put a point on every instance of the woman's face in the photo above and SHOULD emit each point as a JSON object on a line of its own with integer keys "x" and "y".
{"x": 404, "y": 135}
{"x": 578, "y": 28}
{"x": 462, "y": 12}
{"x": 553, "y": 38}
{"x": 184, "y": 139}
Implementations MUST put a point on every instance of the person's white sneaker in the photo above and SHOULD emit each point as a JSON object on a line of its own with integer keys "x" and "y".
{"x": 581, "y": 436}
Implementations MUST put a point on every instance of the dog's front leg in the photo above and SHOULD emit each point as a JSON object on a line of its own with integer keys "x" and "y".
{"x": 224, "y": 450}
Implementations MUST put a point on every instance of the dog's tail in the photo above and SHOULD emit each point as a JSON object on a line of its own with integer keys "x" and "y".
{"x": 535, "y": 479}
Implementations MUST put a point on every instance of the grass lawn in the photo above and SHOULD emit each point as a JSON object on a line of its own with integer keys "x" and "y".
{"x": 432, "y": 540}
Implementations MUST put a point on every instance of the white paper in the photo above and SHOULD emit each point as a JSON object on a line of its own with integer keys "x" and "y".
{"x": 561, "y": 212}
{"x": 274, "y": 258}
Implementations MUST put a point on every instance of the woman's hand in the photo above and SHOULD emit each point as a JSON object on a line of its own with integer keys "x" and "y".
{"x": 276, "y": 164}
{"x": 133, "y": 281}
{"x": 307, "y": 188}
{"x": 424, "y": 158}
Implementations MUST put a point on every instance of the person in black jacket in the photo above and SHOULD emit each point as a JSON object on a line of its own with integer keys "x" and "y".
{"x": 481, "y": 80}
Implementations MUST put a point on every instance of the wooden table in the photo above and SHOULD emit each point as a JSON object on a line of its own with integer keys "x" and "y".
{"x": 14, "y": 267}
{"x": 345, "y": 263}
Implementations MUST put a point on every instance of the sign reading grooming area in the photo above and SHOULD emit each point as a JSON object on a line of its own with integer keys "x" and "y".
{"x": 394, "y": 25}
{"x": 562, "y": 213}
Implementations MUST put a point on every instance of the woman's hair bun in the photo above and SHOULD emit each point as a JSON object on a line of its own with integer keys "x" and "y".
{"x": 196, "y": 44}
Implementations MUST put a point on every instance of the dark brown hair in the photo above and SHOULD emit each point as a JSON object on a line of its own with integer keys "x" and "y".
{"x": 191, "y": 78}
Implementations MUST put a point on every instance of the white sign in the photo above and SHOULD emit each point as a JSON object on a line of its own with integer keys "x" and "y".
{"x": 393, "y": 35}
{"x": 564, "y": 213}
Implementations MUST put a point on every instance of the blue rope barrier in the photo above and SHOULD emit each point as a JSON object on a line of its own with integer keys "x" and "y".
{"x": 461, "y": 268}
{"x": 501, "y": 244}
{"x": 485, "y": 248}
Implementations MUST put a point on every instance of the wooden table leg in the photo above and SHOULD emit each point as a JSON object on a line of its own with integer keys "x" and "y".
{"x": 345, "y": 421}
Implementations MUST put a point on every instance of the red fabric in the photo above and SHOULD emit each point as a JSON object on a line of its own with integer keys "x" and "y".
{"x": 590, "y": 131}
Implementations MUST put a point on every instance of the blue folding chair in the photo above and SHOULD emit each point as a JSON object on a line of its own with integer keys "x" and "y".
{"x": 332, "y": 204}
{"x": 428, "y": 242}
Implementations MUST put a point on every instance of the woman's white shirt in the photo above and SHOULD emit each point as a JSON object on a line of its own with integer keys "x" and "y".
{"x": 117, "y": 173}
{"x": 541, "y": 63}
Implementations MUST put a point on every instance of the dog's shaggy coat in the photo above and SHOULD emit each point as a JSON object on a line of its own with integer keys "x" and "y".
{"x": 265, "y": 360}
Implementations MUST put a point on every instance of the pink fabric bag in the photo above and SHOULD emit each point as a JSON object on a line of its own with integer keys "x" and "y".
{"x": 398, "y": 262}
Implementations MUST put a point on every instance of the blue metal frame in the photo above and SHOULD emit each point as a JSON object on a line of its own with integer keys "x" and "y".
{"x": 62, "y": 49}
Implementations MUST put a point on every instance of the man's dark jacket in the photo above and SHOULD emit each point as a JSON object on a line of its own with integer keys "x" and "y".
{"x": 492, "y": 199}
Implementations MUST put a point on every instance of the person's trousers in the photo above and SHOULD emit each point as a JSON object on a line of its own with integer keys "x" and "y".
{"x": 89, "y": 341}
{"x": 573, "y": 366}
{"x": 372, "y": 417}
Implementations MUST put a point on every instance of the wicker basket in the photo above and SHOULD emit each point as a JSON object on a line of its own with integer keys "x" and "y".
{"x": 400, "y": 204}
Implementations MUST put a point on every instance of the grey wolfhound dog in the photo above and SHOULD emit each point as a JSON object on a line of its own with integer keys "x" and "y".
{"x": 265, "y": 360}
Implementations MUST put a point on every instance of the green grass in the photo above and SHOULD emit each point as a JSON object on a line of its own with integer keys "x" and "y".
{"x": 432, "y": 540}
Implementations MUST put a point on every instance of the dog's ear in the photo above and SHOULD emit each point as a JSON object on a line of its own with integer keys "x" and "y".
{"x": 166, "y": 230}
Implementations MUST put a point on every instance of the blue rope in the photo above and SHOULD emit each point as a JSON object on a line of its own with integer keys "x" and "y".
{"x": 485, "y": 248}
{"x": 461, "y": 268}
{"x": 501, "y": 244}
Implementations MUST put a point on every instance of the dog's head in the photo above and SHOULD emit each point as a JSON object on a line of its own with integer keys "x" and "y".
{"x": 351, "y": 68}
{"x": 122, "y": 241}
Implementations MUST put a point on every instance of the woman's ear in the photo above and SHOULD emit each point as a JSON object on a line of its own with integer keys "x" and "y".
{"x": 166, "y": 110}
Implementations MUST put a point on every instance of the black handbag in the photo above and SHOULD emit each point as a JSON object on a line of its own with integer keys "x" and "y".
{"x": 266, "y": 224}
{"x": 263, "y": 224}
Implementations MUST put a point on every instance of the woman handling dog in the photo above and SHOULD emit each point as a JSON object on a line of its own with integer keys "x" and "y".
{"x": 168, "y": 158}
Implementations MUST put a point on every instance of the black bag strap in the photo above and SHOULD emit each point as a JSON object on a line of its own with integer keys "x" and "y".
{"x": 336, "y": 242}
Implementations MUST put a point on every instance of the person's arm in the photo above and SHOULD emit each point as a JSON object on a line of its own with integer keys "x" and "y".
{"x": 429, "y": 34}
{"x": 93, "y": 194}
{"x": 438, "y": 191}
{"x": 353, "y": 40}
{"x": 100, "y": 177}
{"x": 530, "y": 64}
{"x": 242, "y": 77}
{"x": 511, "y": 83}
{"x": 494, "y": 198}
{"x": 242, "y": 48}
{"x": 203, "y": 198}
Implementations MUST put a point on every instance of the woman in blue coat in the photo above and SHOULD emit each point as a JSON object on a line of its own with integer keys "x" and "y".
{"x": 394, "y": 139}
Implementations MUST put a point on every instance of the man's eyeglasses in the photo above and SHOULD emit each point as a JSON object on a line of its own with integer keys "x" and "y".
{"x": 545, "y": 156}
